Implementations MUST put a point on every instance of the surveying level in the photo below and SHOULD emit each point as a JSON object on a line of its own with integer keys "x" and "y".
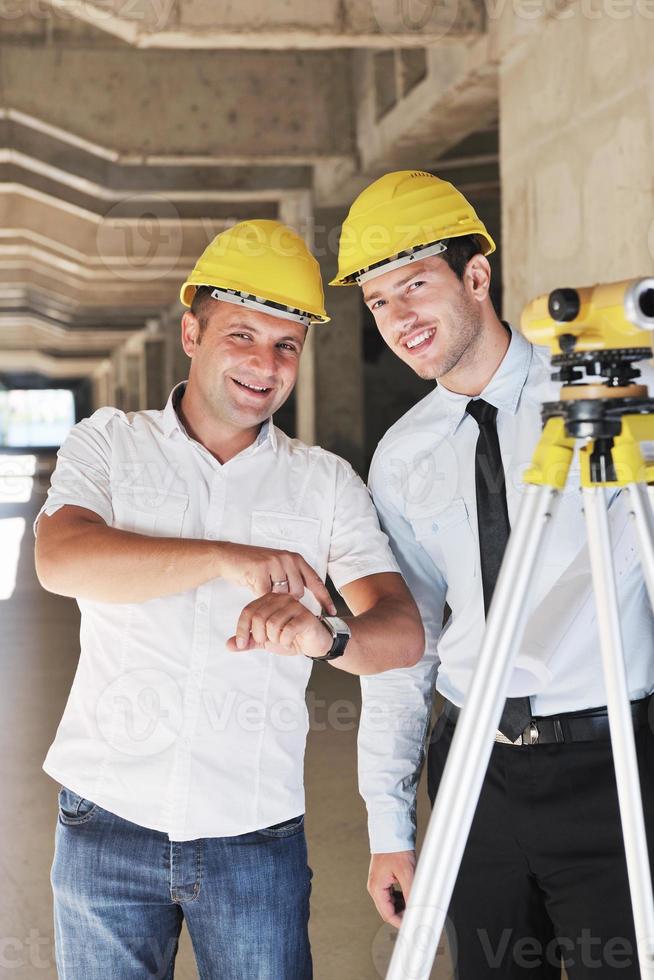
{"x": 596, "y": 320}
{"x": 596, "y": 337}
{"x": 599, "y": 332}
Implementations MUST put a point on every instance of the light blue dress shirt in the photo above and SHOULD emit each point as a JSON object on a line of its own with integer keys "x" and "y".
{"x": 422, "y": 480}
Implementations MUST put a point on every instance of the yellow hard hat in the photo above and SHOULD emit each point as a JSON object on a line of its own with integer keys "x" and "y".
{"x": 401, "y": 217}
{"x": 263, "y": 265}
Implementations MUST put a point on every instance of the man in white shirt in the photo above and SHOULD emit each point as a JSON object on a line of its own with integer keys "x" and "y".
{"x": 543, "y": 879}
{"x": 196, "y": 541}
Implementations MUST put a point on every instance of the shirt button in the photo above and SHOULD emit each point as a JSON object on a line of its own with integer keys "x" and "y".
{"x": 202, "y": 607}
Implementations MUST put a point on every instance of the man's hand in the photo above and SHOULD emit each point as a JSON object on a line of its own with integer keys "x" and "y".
{"x": 280, "y": 624}
{"x": 387, "y": 870}
{"x": 259, "y": 569}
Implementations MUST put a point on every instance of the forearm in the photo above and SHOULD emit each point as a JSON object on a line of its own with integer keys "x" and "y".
{"x": 387, "y": 636}
{"x": 106, "y": 564}
{"x": 396, "y": 709}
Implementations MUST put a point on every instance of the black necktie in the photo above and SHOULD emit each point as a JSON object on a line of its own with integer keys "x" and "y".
{"x": 494, "y": 529}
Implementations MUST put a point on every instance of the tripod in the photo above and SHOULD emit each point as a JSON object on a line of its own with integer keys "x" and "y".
{"x": 613, "y": 418}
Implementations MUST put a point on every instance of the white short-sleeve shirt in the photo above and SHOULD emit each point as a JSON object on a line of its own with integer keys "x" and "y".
{"x": 164, "y": 726}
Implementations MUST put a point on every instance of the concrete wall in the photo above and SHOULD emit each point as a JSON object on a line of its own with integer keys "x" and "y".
{"x": 577, "y": 147}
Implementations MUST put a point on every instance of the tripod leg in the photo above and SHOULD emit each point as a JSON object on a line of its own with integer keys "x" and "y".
{"x": 641, "y": 511}
{"x": 471, "y": 747}
{"x": 621, "y": 726}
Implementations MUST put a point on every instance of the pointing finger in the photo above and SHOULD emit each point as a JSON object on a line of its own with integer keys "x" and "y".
{"x": 315, "y": 584}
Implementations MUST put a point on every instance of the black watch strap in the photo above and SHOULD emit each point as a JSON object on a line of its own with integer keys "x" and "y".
{"x": 341, "y": 634}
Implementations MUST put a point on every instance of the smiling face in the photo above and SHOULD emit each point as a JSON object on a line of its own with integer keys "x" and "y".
{"x": 429, "y": 317}
{"x": 244, "y": 363}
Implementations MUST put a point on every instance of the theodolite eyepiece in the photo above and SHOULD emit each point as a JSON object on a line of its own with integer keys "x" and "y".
{"x": 563, "y": 305}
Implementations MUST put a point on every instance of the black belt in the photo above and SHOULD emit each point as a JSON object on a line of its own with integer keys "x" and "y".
{"x": 573, "y": 726}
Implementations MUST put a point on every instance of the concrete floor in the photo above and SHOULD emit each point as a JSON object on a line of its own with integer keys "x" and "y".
{"x": 39, "y": 654}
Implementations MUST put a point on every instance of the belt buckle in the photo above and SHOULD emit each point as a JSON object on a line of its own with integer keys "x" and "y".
{"x": 531, "y": 734}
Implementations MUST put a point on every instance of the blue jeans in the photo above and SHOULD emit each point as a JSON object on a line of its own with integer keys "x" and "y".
{"x": 121, "y": 892}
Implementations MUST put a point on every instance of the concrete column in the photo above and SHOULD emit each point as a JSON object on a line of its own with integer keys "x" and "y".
{"x": 176, "y": 363}
{"x": 339, "y": 378}
{"x": 154, "y": 381}
{"x": 133, "y": 396}
{"x": 97, "y": 391}
{"x": 297, "y": 211}
{"x": 102, "y": 386}
{"x": 118, "y": 373}
{"x": 577, "y": 142}
{"x": 329, "y": 393}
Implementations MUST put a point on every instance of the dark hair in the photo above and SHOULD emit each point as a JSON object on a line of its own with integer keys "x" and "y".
{"x": 200, "y": 306}
{"x": 459, "y": 251}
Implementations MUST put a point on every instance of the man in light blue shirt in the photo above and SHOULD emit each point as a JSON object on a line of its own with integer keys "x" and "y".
{"x": 543, "y": 879}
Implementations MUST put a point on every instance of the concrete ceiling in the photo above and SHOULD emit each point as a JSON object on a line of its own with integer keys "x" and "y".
{"x": 132, "y": 132}
{"x": 292, "y": 25}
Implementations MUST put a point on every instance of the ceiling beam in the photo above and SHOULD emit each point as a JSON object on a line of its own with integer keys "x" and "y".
{"x": 294, "y": 25}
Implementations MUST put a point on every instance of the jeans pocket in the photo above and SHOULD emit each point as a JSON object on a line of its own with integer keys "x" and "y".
{"x": 75, "y": 809}
{"x": 285, "y": 829}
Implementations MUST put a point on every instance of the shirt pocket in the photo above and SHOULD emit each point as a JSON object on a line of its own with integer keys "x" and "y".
{"x": 286, "y": 532}
{"x": 447, "y": 537}
{"x": 149, "y": 510}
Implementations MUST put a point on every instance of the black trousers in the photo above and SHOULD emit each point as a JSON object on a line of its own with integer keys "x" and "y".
{"x": 543, "y": 879}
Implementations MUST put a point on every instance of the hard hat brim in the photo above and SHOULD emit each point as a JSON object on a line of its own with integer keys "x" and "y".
{"x": 265, "y": 305}
{"x": 351, "y": 278}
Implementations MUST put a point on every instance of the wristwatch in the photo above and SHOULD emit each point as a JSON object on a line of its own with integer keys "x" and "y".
{"x": 341, "y": 634}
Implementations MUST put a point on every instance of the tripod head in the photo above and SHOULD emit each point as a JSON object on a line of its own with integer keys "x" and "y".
{"x": 596, "y": 335}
